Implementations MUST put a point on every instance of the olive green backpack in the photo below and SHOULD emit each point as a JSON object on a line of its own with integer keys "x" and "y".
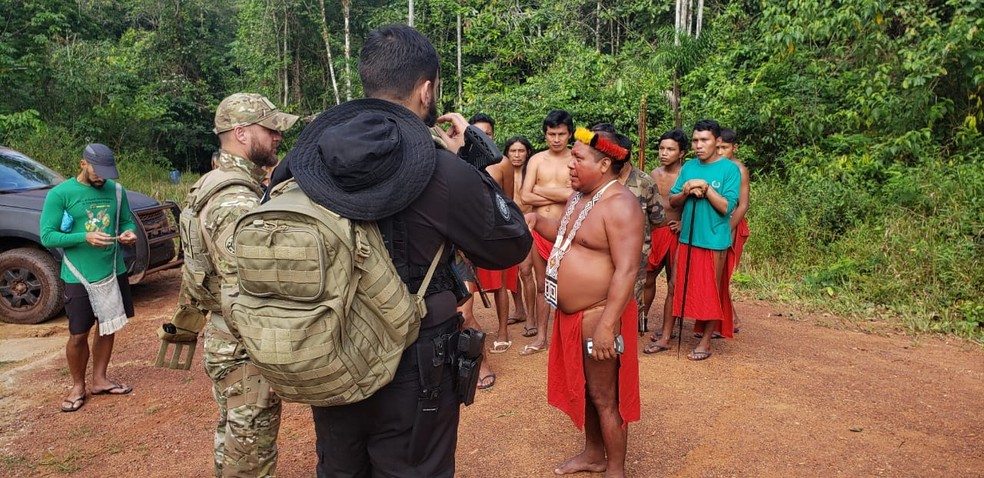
{"x": 321, "y": 309}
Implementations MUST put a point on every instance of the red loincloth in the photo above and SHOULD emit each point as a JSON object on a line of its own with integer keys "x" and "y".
{"x": 565, "y": 368}
{"x": 542, "y": 245}
{"x": 664, "y": 243}
{"x": 492, "y": 280}
{"x": 738, "y": 246}
{"x": 706, "y": 299}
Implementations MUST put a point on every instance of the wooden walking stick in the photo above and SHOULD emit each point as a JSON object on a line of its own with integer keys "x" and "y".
{"x": 643, "y": 325}
{"x": 686, "y": 275}
{"x": 642, "y": 134}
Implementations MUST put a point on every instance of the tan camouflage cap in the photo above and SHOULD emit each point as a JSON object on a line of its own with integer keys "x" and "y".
{"x": 244, "y": 109}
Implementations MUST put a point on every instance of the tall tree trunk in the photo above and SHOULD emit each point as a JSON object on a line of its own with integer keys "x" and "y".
{"x": 689, "y": 5}
{"x": 296, "y": 87}
{"x": 458, "y": 104}
{"x": 598, "y": 27}
{"x": 678, "y": 22}
{"x": 410, "y": 13}
{"x": 700, "y": 16}
{"x": 325, "y": 38}
{"x": 675, "y": 101}
{"x": 346, "y": 10}
{"x": 283, "y": 100}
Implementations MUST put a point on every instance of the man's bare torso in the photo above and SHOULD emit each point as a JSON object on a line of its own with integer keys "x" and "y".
{"x": 586, "y": 272}
{"x": 548, "y": 169}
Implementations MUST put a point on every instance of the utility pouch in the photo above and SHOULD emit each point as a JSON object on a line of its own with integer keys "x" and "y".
{"x": 432, "y": 355}
{"x": 470, "y": 345}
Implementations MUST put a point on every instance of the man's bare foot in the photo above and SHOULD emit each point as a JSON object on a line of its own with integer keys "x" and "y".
{"x": 581, "y": 463}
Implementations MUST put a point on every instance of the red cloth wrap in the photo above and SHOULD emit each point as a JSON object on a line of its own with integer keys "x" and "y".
{"x": 734, "y": 252}
{"x": 565, "y": 367}
{"x": 542, "y": 245}
{"x": 706, "y": 299}
{"x": 492, "y": 280}
{"x": 664, "y": 243}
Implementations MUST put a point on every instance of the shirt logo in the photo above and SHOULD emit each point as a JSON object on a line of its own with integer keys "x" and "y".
{"x": 715, "y": 184}
{"x": 503, "y": 207}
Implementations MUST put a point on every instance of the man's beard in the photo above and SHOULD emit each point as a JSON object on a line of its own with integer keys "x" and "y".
{"x": 431, "y": 119}
{"x": 262, "y": 158}
{"x": 96, "y": 183}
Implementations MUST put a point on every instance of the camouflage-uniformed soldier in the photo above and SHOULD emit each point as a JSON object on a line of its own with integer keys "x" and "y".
{"x": 249, "y": 128}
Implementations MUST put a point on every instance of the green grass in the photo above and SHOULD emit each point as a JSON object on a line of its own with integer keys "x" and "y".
{"x": 67, "y": 464}
{"x": 907, "y": 250}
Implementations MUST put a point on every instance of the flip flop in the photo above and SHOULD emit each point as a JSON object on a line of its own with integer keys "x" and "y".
{"x": 654, "y": 348}
{"x": 715, "y": 335}
{"x": 531, "y": 349}
{"x": 529, "y": 331}
{"x": 113, "y": 390}
{"x": 481, "y": 382}
{"x": 698, "y": 356}
{"x": 500, "y": 347}
{"x": 73, "y": 405}
{"x": 515, "y": 320}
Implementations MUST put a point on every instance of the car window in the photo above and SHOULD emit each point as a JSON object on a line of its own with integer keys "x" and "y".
{"x": 20, "y": 173}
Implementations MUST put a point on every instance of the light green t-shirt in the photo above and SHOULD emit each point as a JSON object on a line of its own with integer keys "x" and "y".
{"x": 711, "y": 229}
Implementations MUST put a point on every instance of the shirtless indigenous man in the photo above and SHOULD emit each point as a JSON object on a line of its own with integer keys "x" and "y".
{"x": 546, "y": 188}
{"x": 728, "y": 148}
{"x": 518, "y": 151}
{"x": 672, "y": 150}
{"x": 593, "y": 374}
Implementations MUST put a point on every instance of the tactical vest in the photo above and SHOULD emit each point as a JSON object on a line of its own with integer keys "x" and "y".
{"x": 198, "y": 274}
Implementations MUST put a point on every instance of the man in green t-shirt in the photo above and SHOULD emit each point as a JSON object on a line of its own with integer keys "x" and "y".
{"x": 707, "y": 189}
{"x": 90, "y": 241}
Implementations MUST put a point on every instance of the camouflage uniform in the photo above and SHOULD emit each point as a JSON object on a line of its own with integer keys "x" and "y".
{"x": 249, "y": 412}
{"x": 645, "y": 189}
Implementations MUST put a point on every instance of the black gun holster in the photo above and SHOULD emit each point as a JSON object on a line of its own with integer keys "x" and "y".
{"x": 458, "y": 353}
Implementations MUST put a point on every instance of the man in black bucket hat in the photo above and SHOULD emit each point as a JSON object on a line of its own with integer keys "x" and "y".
{"x": 375, "y": 159}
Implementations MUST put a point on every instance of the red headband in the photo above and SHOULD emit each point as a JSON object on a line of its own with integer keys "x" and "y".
{"x": 606, "y": 147}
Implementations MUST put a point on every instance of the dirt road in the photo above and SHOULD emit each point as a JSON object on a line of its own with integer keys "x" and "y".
{"x": 792, "y": 395}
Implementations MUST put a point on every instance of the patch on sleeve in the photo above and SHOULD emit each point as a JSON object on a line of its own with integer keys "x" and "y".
{"x": 504, "y": 211}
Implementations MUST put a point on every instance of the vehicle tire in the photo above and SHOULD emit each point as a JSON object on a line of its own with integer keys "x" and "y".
{"x": 31, "y": 290}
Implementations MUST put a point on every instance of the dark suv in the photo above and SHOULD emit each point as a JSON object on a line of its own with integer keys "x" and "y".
{"x": 30, "y": 288}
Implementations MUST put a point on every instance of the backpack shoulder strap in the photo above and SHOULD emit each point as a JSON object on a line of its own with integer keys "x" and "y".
{"x": 216, "y": 181}
{"x": 430, "y": 271}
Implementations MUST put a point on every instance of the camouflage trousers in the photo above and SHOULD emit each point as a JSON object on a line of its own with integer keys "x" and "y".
{"x": 640, "y": 285}
{"x": 249, "y": 412}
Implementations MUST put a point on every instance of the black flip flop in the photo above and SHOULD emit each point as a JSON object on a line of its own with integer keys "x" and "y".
{"x": 73, "y": 405}
{"x": 110, "y": 390}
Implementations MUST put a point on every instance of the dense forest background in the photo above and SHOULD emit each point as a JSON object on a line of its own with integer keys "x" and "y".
{"x": 860, "y": 120}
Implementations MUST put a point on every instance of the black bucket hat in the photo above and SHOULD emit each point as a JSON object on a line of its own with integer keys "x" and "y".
{"x": 364, "y": 159}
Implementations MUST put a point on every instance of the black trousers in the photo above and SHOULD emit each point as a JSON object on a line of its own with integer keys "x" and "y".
{"x": 371, "y": 438}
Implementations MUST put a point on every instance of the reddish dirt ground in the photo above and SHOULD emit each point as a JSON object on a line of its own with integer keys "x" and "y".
{"x": 792, "y": 395}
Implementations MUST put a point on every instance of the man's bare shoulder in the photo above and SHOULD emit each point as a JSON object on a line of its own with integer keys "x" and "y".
{"x": 620, "y": 200}
{"x": 663, "y": 173}
{"x": 741, "y": 167}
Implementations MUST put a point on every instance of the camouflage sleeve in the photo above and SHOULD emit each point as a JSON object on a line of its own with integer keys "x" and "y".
{"x": 219, "y": 223}
{"x": 655, "y": 205}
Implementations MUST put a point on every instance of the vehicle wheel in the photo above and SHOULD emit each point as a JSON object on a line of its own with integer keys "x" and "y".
{"x": 30, "y": 288}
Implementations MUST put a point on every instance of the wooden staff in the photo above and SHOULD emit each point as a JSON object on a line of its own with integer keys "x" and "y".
{"x": 642, "y": 134}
